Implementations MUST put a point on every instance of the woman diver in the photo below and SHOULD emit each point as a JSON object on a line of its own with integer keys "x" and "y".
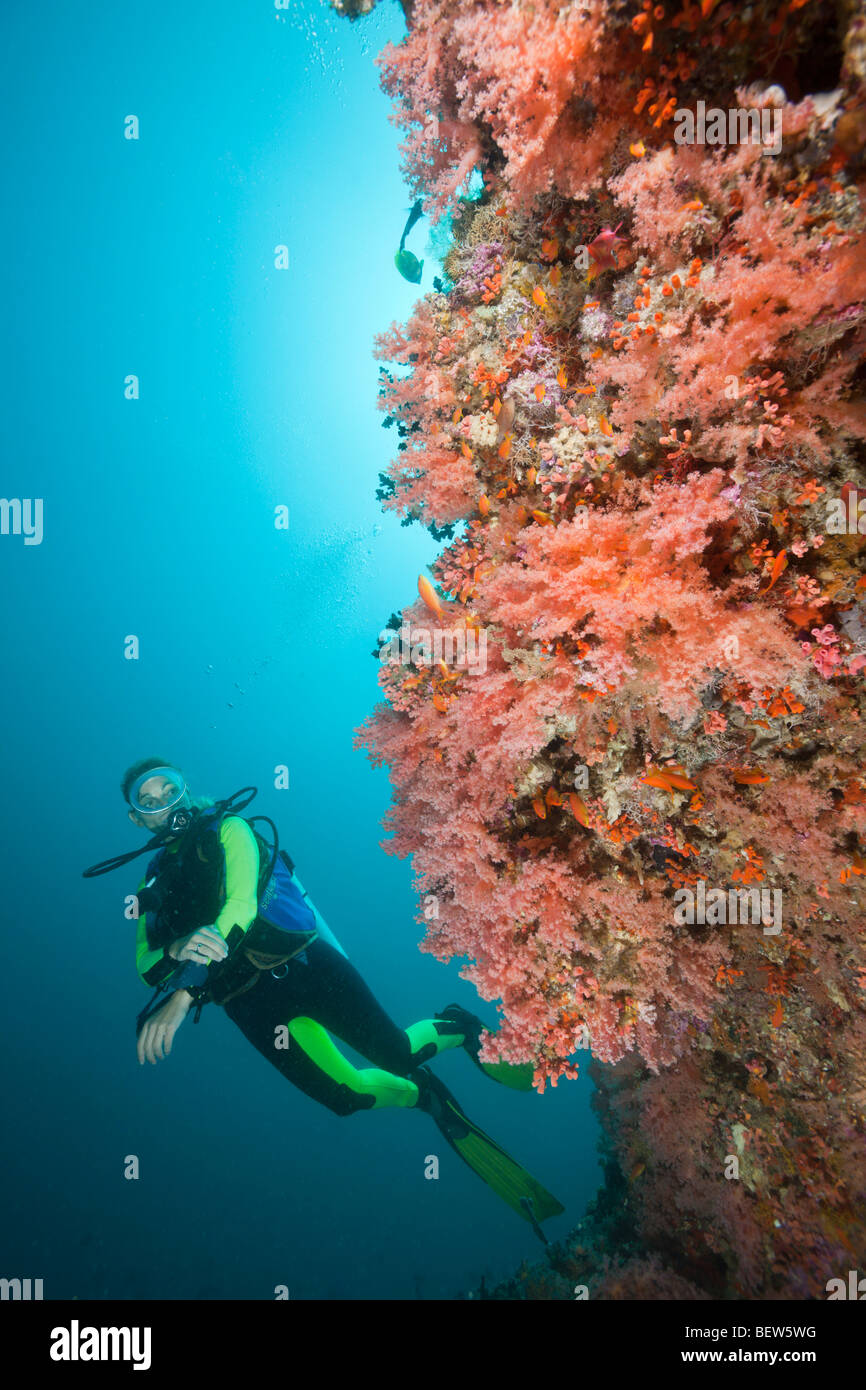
{"x": 224, "y": 919}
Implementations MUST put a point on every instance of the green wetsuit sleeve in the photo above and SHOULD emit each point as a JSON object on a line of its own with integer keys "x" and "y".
{"x": 239, "y": 909}
{"x": 241, "y": 905}
{"x": 153, "y": 966}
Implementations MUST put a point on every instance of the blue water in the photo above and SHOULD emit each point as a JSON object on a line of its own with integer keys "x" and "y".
{"x": 155, "y": 257}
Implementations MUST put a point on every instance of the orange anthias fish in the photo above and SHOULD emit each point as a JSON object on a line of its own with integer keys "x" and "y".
{"x": 778, "y": 1015}
{"x": 484, "y": 505}
{"x": 603, "y": 251}
{"x": 657, "y": 779}
{"x": 748, "y": 777}
{"x": 679, "y": 781}
{"x": 780, "y": 563}
{"x": 578, "y": 806}
{"x": 430, "y": 596}
{"x": 666, "y": 779}
{"x": 440, "y": 702}
{"x": 505, "y": 419}
{"x": 539, "y": 808}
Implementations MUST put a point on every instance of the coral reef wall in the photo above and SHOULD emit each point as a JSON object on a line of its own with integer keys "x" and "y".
{"x": 625, "y": 729}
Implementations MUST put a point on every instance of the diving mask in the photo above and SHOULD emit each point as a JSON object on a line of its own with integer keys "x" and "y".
{"x": 159, "y": 790}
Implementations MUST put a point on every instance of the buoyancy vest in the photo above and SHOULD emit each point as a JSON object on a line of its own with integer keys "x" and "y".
{"x": 188, "y": 891}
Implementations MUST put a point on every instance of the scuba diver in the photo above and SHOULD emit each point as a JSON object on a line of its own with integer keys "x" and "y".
{"x": 223, "y": 918}
{"x": 406, "y": 262}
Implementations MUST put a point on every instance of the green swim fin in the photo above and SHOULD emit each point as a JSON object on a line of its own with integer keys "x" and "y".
{"x": 514, "y": 1185}
{"x": 516, "y": 1075}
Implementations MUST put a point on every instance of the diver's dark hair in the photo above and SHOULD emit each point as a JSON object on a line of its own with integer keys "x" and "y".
{"x": 136, "y": 770}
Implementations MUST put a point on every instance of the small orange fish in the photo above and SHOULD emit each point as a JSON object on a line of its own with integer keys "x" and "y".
{"x": 443, "y": 667}
{"x": 681, "y": 783}
{"x": 779, "y": 564}
{"x": 656, "y": 779}
{"x": 638, "y": 149}
{"x": 539, "y": 808}
{"x": 553, "y": 798}
{"x": 542, "y": 518}
{"x": 748, "y": 777}
{"x": 540, "y": 391}
{"x": 505, "y": 447}
{"x": 555, "y": 275}
{"x": 550, "y": 250}
{"x": 505, "y": 419}
{"x": 531, "y": 475}
{"x": 592, "y": 304}
{"x": 484, "y": 505}
{"x": 694, "y": 206}
{"x": 539, "y": 297}
{"x": 605, "y": 426}
{"x": 636, "y": 1172}
{"x": 778, "y": 1015}
{"x": 562, "y": 378}
{"x": 584, "y": 391}
{"x": 578, "y": 806}
{"x": 465, "y": 450}
{"x": 440, "y": 703}
{"x": 430, "y": 597}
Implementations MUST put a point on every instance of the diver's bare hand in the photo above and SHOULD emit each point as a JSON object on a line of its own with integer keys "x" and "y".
{"x": 201, "y": 946}
{"x": 155, "y": 1038}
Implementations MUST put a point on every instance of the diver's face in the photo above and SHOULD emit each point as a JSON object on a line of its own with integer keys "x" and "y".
{"x": 160, "y": 794}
